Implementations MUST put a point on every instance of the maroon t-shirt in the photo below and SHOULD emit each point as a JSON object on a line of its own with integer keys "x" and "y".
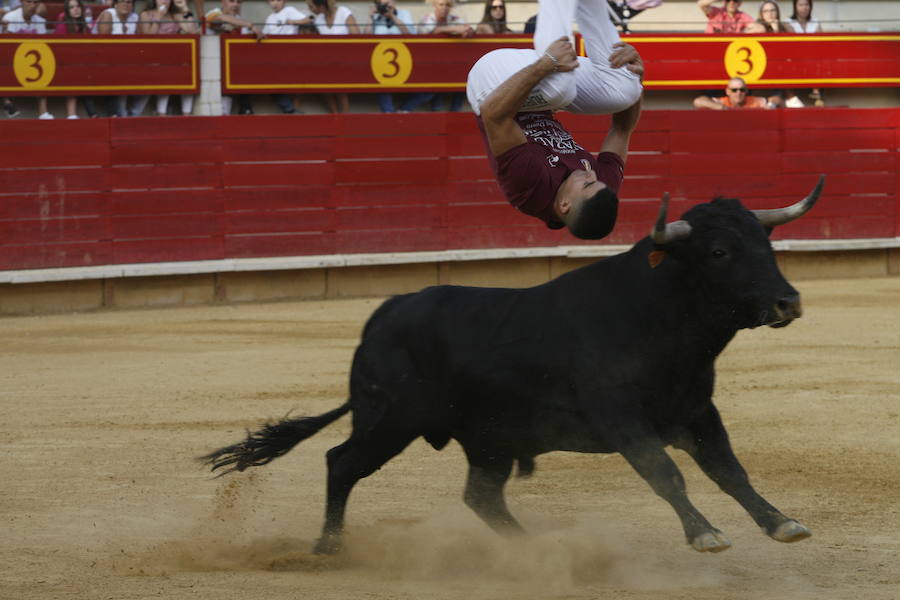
{"x": 531, "y": 173}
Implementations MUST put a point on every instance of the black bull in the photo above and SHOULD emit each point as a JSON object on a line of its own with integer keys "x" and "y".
{"x": 617, "y": 356}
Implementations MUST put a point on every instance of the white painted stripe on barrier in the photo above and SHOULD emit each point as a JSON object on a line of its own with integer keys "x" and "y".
{"x": 284, "y": 263}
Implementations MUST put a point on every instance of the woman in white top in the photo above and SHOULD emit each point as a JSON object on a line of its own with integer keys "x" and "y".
{"x": 801, "y": 21}
{"x": 118, "y": 20}
{"x": 332, "y": 19}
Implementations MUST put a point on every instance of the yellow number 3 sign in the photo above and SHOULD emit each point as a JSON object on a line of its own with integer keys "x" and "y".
{"x": 745, "y": 59}
{"x": 34, "y": 65}
{"x": 391, "y": 63}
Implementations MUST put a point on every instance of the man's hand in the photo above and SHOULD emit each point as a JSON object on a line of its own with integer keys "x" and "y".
{"x": 626, "y": 56}
{"x": 564, "y": 52}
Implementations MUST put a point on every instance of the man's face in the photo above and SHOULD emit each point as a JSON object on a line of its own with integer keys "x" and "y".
{"x": 124, "y": 8}
{"x": 231, "y": 7}
{"x": 577, "y": 187}
{"x": 736, "y": 92}
{"x": 732, "y": 6}
{"x": 276, "y": 5}
{"x": 29, "y": 7}
{"x": 442, "y": 8}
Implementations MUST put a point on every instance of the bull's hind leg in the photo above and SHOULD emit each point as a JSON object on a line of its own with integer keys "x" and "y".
{"x": 707, "y": 442}
{"x": 358, "y": 457}
{"x": 484, "y": 492}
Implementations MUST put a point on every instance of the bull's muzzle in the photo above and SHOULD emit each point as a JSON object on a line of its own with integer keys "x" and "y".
{"x": 786, "y": 309}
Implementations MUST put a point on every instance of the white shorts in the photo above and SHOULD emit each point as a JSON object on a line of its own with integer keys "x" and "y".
{"x": 593, "y": 88}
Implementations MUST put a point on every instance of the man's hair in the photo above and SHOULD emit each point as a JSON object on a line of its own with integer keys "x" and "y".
{"x": 595, "y": 217}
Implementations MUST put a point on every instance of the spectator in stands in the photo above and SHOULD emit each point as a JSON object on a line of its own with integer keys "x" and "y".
{"x": 440, "y": 20}
{"x": 332, "y": 19}
{"x": 386, "y": 19}
{"x": 530, "y": 24}
{"x": 769, "y": 20}
{"x": 494, "y": 18}
{"x": 737, "y": 97}
{"x": 185, "y": 18}
{"x": 74, "y": 20}
{"x": 157, "y": 19}
{"x": 225, "y": 20}
{"x": 724, "y": 20}
{"x": 285, "y": 20}
{"x": 120, "y": 19}
{"x": 25, "y": 20}
{"x": 802, "y": 20}
{"x": 187, "y": 24}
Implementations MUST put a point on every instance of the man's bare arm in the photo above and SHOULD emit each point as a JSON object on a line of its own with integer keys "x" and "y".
{"x": 623, "y": 125}
{"x": 499, "y": 110}
{"x": 704, "y": 5}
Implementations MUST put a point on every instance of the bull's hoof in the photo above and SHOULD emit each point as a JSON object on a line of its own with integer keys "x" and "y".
{"x": 790, "y": 531}
{"x": 327, "y": 545}
{"x": 711, "y": 541}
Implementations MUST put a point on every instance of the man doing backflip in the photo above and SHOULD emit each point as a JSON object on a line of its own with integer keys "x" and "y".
{"x": 542, "y": 170}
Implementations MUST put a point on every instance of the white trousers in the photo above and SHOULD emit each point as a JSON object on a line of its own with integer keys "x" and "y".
{"x": 593, "y": 88}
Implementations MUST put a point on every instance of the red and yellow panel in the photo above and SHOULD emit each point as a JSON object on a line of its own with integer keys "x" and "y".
{"x": 354, "y": 63}
{"x": 48, "y": 65}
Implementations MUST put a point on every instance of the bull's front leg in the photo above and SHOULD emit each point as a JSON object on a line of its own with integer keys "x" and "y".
{"x": 623, "y": 424}
{"x": 707, "y": 442}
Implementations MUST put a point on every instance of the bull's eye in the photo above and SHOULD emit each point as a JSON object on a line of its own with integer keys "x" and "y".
{"x": 719, "y": 253}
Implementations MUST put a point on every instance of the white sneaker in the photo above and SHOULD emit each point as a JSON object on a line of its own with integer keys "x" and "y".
{"x": 72, "y": 117}
{"x": 45, "y": 116}
{"x": 794, "y": 102}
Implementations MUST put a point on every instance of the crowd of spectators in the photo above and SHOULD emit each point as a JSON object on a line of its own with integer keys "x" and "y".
{"x": 327, "y": 17}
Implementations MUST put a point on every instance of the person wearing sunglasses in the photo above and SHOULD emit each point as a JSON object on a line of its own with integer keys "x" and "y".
{"x": 494, "y": 19}
{"x": 737, "y": 97}
{"x": 727, "y": 19}
{"x": 541, "y": 169}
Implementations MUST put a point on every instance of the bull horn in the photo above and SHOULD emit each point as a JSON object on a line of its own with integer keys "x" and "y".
{"x": 779, "y": 216}
{"x": 664, "y": 233}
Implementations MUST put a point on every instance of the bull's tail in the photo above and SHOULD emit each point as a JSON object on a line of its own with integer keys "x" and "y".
{"x": 270, "y": 442}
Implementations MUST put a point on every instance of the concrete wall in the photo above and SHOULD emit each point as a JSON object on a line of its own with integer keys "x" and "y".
{"x": 374, "y": 281}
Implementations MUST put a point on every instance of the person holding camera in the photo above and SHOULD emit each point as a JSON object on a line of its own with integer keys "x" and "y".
{"x": 386, "y": 19}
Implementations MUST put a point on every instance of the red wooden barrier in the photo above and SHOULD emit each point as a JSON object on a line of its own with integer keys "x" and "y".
{"x": 112, "y": 191}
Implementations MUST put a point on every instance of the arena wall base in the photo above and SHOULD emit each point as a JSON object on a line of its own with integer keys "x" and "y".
{"x": 22, "y": 294}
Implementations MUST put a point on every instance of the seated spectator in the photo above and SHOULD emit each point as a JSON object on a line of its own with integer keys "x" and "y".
{"x": 185, "y": 18}
{"x": 736, "y": 97}
{"x": 769, "y": 20}
{"x": 25, "y": 20}
{"x": 386, "y": 19}
{"x": 285, "y": 20}
{"x": 440, "y": 20}
{"x": 121, "y": 20}
{"x": 332, "y": 19}
{"x": 226, "y": 20}
{"x": 724, "y": 20}
{"x": 157, "y": 19}
{"x": 802, "y": 20}
{"x": 74, "y": 20}
{"x": 494, "y": 18}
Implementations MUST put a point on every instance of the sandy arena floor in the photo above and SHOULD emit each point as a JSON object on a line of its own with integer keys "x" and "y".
{"x": 105, "y": 413}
